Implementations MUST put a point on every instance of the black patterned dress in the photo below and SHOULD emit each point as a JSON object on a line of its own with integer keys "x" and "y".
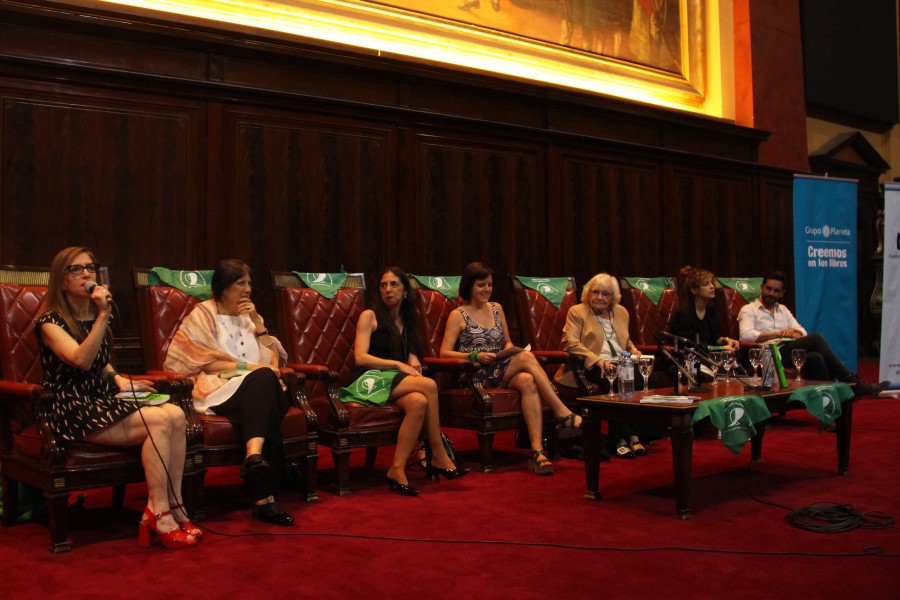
{"x": 85, "y": 400}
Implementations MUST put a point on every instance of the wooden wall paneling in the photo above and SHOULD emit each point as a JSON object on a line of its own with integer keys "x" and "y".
{"x": 306, "y": 193}
{"x": 608, "y": 210}
{"x": 708, "y": 214}
{"x": 482, "y": 200}
{"x": 116, "y": 172}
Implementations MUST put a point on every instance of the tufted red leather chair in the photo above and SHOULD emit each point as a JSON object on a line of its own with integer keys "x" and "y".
{"x": 470, "y": 405}
{"x": 161, "y": 309}
{"x": 318, "y": 334}
{"x": 541, "y": 325}
{"x": 646, "y": 318}
{"x": 729, "y": 303}
{"x": 31, "y": 454}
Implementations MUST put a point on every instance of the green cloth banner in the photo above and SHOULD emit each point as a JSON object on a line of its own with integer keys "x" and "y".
{"x": 326, "y": 284}
{"x": 446, "y": 284}
{"x": 823, "y": 401}
{"x": 735, "y": 417}
{"x": 372, "y": 388}
{"x": 196, "y": 283}
{"x": 747, "y": 287}
{"x": 652, "y": 286}
{"x": 551, "y": 288}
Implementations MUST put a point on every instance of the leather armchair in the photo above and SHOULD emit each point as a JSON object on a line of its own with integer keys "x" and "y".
{"x": 161, "y": 309}
{"x": 318, "y": 334}
{"x": 541, "y": 325}
{"x": 31, "y": 453}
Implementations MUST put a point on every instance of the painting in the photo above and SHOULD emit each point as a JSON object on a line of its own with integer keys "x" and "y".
{"x": 644, "y": 32}
{"x": 669, "y": 53}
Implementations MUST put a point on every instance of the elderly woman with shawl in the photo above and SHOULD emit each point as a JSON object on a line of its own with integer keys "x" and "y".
{"x": 223, "y": 345}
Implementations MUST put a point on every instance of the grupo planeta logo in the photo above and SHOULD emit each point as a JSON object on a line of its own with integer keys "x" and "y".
{"x": 742, "y": 286}
{"x": 437, "y": 283}
{"x": 643, "y": 285}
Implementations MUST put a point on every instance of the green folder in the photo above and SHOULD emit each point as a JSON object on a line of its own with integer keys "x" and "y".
{"x": 779, "y": 368}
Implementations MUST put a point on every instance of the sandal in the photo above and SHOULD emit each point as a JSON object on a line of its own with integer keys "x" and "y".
{"x": 538, "y": 463}
{"x": 624, "y": 452}
{"x": 638, "y": 449}
{"x": 568, "y": 422}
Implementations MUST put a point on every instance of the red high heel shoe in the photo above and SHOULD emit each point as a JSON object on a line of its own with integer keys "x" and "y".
{"x": 177, "y": 538}
{"x": 178, "y": 510}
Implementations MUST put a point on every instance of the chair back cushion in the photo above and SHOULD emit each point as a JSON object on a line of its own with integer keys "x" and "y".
{"x": 19, "y": 352}
{"x": 317, "y": 330}
{"x": 161, "y": 311}
{"x": 646, "y": 318}
{"x": 540, "y": 321}
{"x": 434, "y": 309}
{"x": 729, "y": 303}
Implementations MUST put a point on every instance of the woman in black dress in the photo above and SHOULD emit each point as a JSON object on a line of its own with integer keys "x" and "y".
{"x": 74, "y": 335}
{"x": 388, "y": 370}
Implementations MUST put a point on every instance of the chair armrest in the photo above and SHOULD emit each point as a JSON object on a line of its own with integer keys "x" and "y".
{"x": 552, "y": 357}
{"x": 315, "y": 372}
{"x": 445, "y": 364}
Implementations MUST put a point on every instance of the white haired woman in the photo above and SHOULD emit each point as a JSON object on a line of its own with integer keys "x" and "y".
{"x": 597, "y": 331}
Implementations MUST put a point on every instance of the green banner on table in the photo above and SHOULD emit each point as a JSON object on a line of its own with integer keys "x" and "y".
{"x": 652, "y": 286}
{"x": 551, "y": 288}
{"x": 735, "y": 417}
{"x": 448, "y": 285}
{"x": 196, "y": 283}
{"x": 326, "y": 284}
{"x": 747, "y": 287}
{"x": 823, "y": 401}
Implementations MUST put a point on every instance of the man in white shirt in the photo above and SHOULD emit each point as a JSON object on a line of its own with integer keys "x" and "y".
{"x": 767, "y": 319}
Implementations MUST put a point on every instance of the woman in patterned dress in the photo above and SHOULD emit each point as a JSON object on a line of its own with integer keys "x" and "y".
{"x": 477, "y": 331}
{"x": 73, "y": 333}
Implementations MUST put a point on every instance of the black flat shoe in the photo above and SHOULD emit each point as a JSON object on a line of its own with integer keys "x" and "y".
{"x": 255, "y": 464}
{"x": 403, "y": 490}
{"x": 272, "y": 513}
{"x": 435, "y": 473}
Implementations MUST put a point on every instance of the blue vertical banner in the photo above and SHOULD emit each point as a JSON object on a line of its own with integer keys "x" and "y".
{"x": 889, "y": 365}
{"x": 825, "y": 261}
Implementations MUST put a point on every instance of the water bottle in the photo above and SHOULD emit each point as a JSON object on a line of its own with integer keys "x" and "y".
{"x": 768, "y": 366}
{"x": 626, "y": 376}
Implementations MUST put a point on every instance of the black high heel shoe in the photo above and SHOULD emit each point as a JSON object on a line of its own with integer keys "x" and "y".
{"x": 403, "y": 490}
{"x": 434, "y": 473}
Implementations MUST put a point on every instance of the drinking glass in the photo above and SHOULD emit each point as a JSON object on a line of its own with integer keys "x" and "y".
{"x": 755, "y": 360}
{"x": 646, "y": 366}
{"x": 611, "y": 371}
{"x": 716, "y": 358}
{"x": 728, "y": 363}
{"x": 798, "y": 355}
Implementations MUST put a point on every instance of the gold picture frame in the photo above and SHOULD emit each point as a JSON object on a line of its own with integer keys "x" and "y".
{"x": 401, "y": 29}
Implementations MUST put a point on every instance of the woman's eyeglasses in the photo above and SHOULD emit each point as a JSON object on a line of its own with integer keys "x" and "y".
{"x": 77, "y": 270}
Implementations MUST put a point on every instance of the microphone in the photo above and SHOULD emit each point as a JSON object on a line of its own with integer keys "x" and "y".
{"x": 89, "y": 288}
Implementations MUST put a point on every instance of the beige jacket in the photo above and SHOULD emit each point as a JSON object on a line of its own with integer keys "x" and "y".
{"x": 583, "y": 336}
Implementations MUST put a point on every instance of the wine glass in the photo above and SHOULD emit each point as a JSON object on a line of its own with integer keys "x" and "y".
{"x": 798, "y": 355}
{"x": 690, "y": 365}
{"x": 728, "y": 363}
{"x": 646, "y": 366}
{"x": 716, "y": 359}
{"x": 611, "y": 371}
{"x": 755, "y": 360}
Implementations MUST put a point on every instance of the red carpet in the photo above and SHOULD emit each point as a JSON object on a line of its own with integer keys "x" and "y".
{"x": 511, "y": 534}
